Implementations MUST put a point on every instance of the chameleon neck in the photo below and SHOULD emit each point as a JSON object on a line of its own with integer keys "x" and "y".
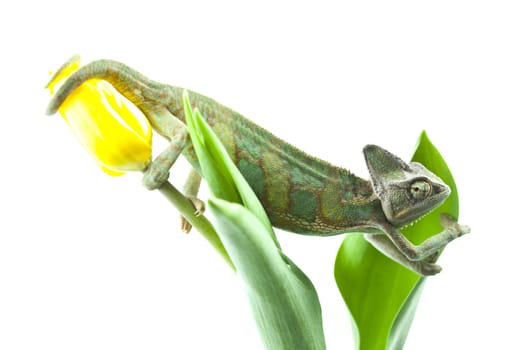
{"x": 299, "y": 192}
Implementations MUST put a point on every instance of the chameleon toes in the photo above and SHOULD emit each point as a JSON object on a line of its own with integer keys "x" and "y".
{"x": 451, "y": 224}
{"x": 154, "y": 177}
{"x": 199, "y": 210}
{"x": 429, "y": 269}
{"x": 198, "y": 205}
{"x": 463, "y": 230}
{"x": 185, "y": 225}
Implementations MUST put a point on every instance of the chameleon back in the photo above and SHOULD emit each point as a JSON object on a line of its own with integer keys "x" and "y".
{"x": 300, "y": 193}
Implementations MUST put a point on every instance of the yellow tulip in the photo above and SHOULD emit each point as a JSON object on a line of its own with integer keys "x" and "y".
{"x": 107, "y": 124}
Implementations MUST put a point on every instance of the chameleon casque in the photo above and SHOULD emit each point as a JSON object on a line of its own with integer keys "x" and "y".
{"x": 300, "y": 193}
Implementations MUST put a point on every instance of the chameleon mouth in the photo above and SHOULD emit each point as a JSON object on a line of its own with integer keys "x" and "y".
{"x": 416, "y": 220}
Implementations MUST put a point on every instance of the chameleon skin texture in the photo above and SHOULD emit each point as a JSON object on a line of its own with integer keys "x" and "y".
{"x": 300, "y": 193}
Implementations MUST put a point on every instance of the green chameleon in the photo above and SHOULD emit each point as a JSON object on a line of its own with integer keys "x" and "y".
{"x": 300, "y": 193}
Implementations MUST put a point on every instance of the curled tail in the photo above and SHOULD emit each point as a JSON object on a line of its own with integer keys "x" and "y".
{"x": 130, "y": 83}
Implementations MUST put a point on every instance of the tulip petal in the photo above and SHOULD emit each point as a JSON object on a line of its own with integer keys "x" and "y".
{"x": 113, "y": 130}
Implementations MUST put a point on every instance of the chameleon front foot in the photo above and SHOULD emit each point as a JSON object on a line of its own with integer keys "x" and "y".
{"x": 452, "y": 226}
{"x": 433, "y": 244}
{"x": 427, "y": 268}
{"x": 199, "y": 210}
{"x": 155, "y": 176}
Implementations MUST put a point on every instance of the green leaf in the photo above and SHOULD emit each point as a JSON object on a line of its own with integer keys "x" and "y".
{"x": 380, "y": 294}
{"x": 208, "y": 149}
{"x": 283, "y": 300}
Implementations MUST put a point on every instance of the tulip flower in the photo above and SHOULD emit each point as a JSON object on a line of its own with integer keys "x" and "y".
{"x": 107, "y": 124}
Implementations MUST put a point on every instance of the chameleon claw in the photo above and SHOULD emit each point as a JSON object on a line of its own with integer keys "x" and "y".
{"x": 154, "y": 176}
{"x": 185, "y": 225}
{"x": 450, "y": 223}
{"x": 199, "y": 210}
{"x": 429, "y": 269}
{"x": 198, "y": 205}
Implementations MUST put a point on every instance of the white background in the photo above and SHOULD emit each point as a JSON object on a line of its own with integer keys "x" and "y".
{"x": 93, "y": 262}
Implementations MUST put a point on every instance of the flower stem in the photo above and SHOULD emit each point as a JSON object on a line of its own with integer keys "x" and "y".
{"x": 185, "y": 207}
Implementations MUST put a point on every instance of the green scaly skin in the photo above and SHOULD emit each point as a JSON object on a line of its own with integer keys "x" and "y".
{"x": 300, "y": 193}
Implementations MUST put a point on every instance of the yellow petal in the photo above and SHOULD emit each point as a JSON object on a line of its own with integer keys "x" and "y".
{"x": 63, "y": 73}
{"x": 107, "y": 124}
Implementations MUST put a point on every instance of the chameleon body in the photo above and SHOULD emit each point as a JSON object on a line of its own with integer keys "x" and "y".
{"x": 300, "y": 193}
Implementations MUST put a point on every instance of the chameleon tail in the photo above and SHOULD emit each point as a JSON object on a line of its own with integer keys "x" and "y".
{"x": 136, "y": 87}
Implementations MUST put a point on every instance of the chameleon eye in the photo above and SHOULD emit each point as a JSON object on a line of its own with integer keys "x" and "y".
{"x": 420, "y": 189}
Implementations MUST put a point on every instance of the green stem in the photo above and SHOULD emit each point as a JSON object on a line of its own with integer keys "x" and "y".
{"x": 185, "y": 207}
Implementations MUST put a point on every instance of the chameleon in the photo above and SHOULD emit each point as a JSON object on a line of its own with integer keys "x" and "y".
{"x": 300, "y": 193}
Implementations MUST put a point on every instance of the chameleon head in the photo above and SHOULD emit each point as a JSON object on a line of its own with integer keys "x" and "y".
{"x": 406, "y": 191}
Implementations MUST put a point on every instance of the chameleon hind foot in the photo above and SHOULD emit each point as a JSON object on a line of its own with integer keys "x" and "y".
{"x": 190, "y": 191}
{"x": 199, "y": 210}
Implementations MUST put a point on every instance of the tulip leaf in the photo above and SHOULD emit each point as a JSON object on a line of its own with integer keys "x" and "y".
{"x": 283, "y": 300}
{"x": 380, "y": 294}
